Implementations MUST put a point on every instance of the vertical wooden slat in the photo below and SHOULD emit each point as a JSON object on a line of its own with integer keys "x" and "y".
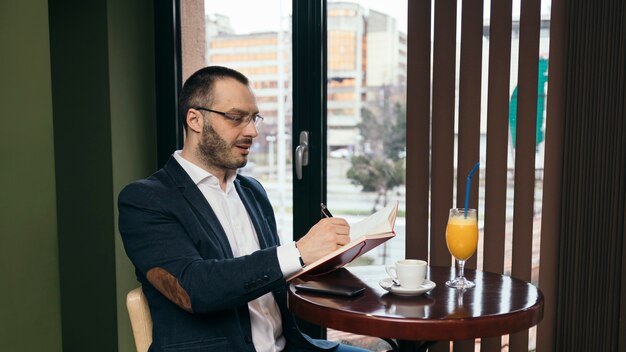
{"x": 442, "y": 127}
{"x": 497, "y": 135}
{"x": 525, "y": 150}
{"x": 553, "y": 162}
{"x": 442, "y": 175}
{"x": 469, "y": 115}
{"x": 497, "y": 138}
{"x": 525, "y": 139}
{"x": 470, "y": 75}
{"x": 418, "y": 128}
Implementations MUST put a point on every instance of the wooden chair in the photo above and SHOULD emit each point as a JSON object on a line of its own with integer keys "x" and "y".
{"x": 140, "y": 319}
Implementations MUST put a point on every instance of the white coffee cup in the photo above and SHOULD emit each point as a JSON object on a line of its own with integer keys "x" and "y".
{"x": 410, "y": 273}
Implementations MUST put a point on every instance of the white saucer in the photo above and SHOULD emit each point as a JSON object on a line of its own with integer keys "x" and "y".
{"x": 403, "y": 291}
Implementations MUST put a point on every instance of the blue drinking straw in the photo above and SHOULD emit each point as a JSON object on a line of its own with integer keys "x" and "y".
{"x": 467, "y": 186}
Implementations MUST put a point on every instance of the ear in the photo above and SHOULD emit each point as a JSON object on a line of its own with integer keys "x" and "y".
{"x": 195, "y": 120}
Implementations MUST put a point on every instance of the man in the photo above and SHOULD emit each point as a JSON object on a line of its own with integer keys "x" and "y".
{"x": 203, "y": 239}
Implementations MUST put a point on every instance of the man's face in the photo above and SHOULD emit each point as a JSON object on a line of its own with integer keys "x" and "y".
{"x": 224, "y": 145}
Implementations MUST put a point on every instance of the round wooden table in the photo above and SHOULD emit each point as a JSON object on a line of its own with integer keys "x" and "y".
{"x": 498, "y": 305}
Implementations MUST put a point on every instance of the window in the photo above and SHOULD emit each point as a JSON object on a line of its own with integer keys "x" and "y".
{"x": 367, "y": 106}
{"x": 366, "y": 99}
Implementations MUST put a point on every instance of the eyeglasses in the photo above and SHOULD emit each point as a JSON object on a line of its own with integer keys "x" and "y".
{"x": 239, "y": 120}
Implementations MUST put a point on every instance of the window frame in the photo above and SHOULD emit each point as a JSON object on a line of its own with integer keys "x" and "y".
{"x": 168, "y": 81}
{"x": 309, "y": 109}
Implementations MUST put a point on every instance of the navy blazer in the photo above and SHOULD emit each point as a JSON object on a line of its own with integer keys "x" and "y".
{"x": 197, "y": 292}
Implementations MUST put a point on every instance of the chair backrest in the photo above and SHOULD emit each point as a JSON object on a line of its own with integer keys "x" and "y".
{"x": 140, "y": 319}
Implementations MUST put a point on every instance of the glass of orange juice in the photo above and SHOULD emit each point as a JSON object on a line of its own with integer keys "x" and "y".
{"x": 462, "y": 239}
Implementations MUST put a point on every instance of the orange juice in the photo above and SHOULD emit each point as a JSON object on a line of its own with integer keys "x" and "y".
{"x": 462, "y": 236}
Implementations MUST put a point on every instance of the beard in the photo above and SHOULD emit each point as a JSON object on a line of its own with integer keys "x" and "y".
{"x": 217, "y": 152}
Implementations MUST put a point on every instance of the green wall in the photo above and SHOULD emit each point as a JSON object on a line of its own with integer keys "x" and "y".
{"x": 76, "y": 125}
{"x": 29, "y": 299}
{"x": 133, "y": 124}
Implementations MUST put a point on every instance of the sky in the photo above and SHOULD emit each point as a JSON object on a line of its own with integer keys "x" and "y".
{"x": 264, "y": 15}
{"x": 247, "y": 15}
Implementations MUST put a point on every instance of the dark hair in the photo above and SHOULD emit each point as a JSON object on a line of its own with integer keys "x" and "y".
{"x": 198, "y": 88}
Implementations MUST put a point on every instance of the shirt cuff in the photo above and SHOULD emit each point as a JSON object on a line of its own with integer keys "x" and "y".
{"x": 288, "y": 258}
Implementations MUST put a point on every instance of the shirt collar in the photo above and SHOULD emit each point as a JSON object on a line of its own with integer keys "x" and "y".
{"x": 199, "y": 175}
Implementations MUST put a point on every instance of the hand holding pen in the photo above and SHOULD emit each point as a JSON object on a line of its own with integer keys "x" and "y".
{"x": 325, "y": 211}
{"x": 324, "y": 237}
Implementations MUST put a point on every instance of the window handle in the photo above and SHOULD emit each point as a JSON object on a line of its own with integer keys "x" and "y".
{"x": 302, "y": 153}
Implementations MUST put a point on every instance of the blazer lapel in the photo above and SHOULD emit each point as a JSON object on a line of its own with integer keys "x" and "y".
{"x": 249, "y": 201}
{"x": 192, "y": 193}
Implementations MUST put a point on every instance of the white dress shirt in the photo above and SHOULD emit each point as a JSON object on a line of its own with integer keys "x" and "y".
{"x": 267, "y": 331}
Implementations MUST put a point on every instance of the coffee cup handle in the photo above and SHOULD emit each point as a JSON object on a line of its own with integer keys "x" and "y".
{"x": 391, "y": 270}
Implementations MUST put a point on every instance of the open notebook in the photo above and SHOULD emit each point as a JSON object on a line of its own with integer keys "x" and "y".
{"x": 365, "y": 235}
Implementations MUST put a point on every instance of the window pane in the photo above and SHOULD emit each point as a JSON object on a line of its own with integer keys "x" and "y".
{"x": 366, "y": 102}
{"x": 255, "y": 39}
{"x": 366, "y": 98}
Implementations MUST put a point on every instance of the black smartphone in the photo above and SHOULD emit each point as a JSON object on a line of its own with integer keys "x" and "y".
{"x": 330, "y": 289}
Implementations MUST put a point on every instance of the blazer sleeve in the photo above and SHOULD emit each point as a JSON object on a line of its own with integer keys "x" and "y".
{"x": 164, "y": 253}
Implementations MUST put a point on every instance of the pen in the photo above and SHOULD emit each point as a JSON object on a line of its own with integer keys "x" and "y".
{"x": 325, "y": 211}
